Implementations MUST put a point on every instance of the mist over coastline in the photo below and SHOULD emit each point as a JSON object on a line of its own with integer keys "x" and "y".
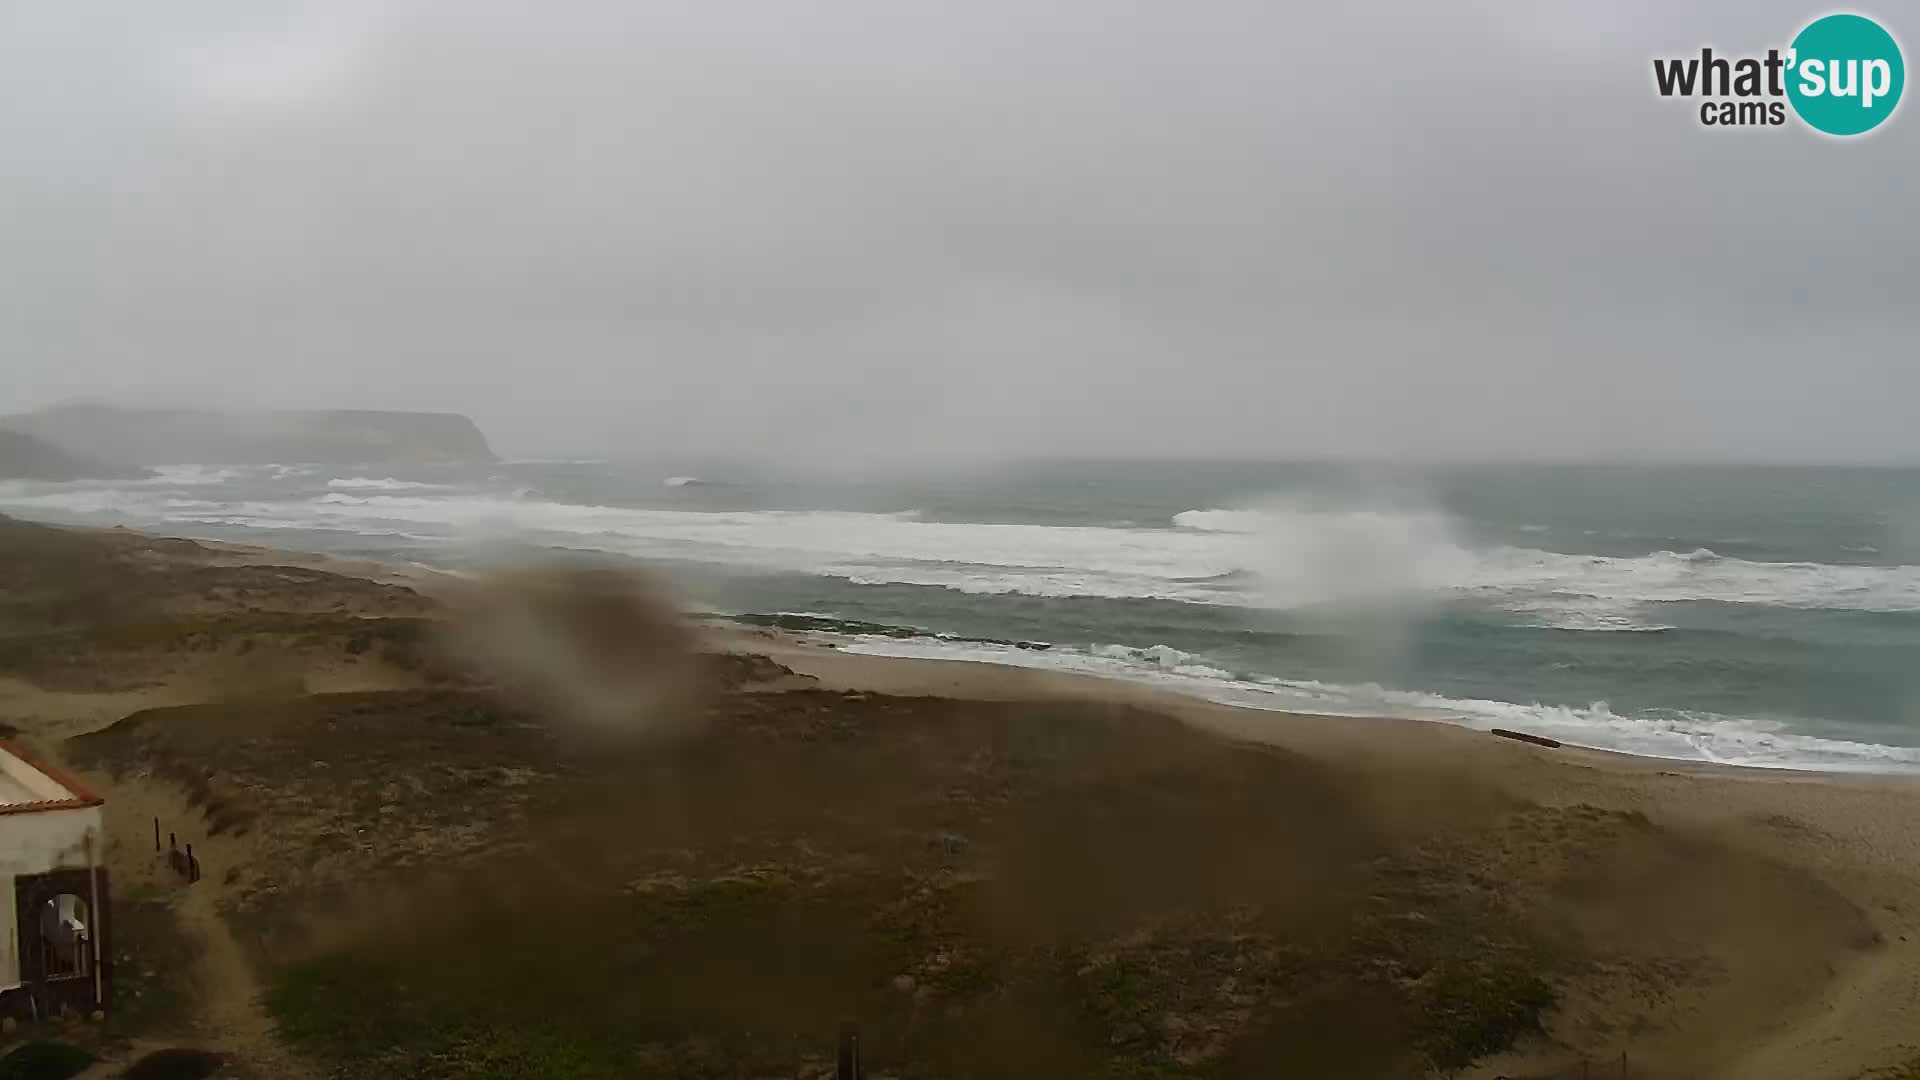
{"x": 1738, "y": 615}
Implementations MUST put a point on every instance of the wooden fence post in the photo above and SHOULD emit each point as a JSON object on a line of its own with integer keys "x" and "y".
{"x": 847, "y": 1067}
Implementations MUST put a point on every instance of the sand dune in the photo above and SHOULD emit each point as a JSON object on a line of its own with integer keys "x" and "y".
{"x": 1381, "y": 894}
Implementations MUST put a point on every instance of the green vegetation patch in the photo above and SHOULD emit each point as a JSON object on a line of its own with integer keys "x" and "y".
{"x": 988, "y": 890}
{"x": 153, "y": 962}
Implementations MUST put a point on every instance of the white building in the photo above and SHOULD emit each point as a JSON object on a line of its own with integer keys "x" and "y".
{"x": 53, "y": 890}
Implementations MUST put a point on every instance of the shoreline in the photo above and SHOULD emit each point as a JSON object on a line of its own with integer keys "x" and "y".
{"x": 823, "y": 656}
{"x": 1832, "y": 1010}
{"x": 1892, "y": 768}
{"x": 1857, "y": 832}
{"x": 1804, "y": 752}
{"x": 879, "y": 672}
{"x": 1775, "y": 655}
{"x": 437, "y": 583}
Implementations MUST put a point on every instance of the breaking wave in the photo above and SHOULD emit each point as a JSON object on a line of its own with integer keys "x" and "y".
{"x": 1286, "y": 558}
{"x": 381, "y": 483}
{"x": 1230, "y": 521}
{"x": 193, "y": 475}
{"x": 1677, "y": 735}
{"x": 1281, "y": 555}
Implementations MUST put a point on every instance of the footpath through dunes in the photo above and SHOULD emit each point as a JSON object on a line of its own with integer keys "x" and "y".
{"x": 995, "y": 872}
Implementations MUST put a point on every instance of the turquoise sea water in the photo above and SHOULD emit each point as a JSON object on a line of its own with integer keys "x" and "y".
{"x": 1757, "y": 615}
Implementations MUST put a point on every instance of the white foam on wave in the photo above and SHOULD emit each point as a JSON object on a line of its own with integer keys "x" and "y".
{"x": 679, "y": 481}
{"x": 1597, "y": 624}
{"x": 1279, "y": 557}
{"x": 861, "y": 546}
{"x": 378, "y": 483}
{"x": 1667, "y": 576}
{"x": 1685, "y": 736}
{"x": 1164, "y": 658}
{"x": 1229, "y": 521}
{"x": 1704, "y": 737}
{"x": 1255, "y": 558}
{"x": 1315, "y": 554}
{"x": 1401, "y": 553}
{"x": 1585, "y": 614}
{"x": 194, "y": 475}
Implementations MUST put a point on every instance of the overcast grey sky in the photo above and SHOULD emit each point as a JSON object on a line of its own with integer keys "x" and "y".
{"x": 1408, "y": 229}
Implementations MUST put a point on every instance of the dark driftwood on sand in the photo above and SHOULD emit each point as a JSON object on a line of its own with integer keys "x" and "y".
{"x": 1537, "y": 740}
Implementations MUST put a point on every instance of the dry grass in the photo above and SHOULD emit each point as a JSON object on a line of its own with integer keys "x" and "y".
{"x": 439, "y": 883}
{"x": 1004, "y": 889}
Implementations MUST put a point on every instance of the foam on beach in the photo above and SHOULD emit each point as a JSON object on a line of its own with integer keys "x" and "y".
{"x": 1299, "y": 556}
{"x": 1699, "y": 737}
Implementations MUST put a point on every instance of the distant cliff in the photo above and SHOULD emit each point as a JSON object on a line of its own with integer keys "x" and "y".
{"x": 173, "y": 436}
{"x": 24, "y": 457}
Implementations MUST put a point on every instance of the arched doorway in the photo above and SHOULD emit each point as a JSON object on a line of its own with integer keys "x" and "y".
{"x": 64, "y": 930}
{"x": 66, "y": 937}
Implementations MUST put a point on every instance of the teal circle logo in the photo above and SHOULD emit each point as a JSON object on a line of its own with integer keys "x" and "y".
{"x": 1845, "y": 74}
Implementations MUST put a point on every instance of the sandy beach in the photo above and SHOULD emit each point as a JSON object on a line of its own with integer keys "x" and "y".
{"x": 1858, "y": 833}
{"x": 1717, "y": 922}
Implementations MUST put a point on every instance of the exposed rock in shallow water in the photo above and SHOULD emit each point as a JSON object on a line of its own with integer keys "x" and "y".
{"x": 822, "y": 624}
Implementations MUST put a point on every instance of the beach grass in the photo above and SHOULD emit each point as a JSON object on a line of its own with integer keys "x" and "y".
{"x": 1011, "y": 889}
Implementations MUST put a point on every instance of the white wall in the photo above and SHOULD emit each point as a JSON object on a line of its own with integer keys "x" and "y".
{"x": 42, "y": 787}
{"x": 34, "y": 843}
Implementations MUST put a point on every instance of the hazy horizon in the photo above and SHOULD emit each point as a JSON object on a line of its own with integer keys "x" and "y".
{"x": 844, "y": 232}
{"x": 803, "y": 460}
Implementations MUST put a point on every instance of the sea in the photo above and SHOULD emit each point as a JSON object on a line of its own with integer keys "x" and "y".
{"x": 1757, "y": 616}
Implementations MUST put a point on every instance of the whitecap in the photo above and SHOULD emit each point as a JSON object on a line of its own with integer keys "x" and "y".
{"x": 378, "y": 483}
{"x": 1289, "y": 558}
{"x": 1672, "y": 734}
{"x": 194, "y": 475}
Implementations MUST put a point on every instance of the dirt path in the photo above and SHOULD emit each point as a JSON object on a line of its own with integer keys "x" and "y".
{"x": 228, "y": 1016}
